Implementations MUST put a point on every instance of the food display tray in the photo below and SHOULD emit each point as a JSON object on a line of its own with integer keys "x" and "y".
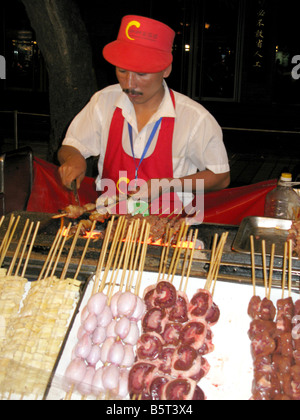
{"x": 231, "y": 367}
{"x": 35, "y": 373}
{"x": 273, "y": 231}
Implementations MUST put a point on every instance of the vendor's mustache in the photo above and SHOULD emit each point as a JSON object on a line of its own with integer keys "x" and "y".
{"x": 131, "y": 92}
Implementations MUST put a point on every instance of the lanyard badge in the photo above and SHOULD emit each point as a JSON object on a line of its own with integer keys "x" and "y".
{"x": 152, "y": 135}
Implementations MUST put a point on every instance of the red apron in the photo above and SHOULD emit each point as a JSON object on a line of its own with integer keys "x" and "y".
{"x": 157, "y": 166}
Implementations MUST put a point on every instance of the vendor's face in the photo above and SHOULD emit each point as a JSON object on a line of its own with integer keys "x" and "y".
{"x": 142, "y": 88}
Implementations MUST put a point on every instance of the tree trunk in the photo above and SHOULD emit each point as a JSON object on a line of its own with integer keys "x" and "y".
{"x": 63, "y": 40}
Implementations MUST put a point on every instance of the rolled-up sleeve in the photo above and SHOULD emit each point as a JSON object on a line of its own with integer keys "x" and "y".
{"x": 206, "y": 147}
{"x": 84, "y": 132}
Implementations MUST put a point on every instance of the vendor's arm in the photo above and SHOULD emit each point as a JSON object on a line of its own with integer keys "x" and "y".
{"x": 212, "y": 181}
{"x": 73, "y": 165}
{"x": 81, "y": 142}
{"x": 188, "y": 184}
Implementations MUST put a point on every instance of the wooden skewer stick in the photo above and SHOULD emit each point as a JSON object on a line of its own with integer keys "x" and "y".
{"x": 217, "y": 260}
{"x": 24, "y": 249}
{"x": 264, "y": 261}
{"x": 85, "y": 251}
{"x": 165, "y": 256}
{"x": 191, "y": 258}
{"x": 212, "y": 258}
{"x": 271, "y": 270}
{"x": 284, "y": 264}
{"x": 14, "y": 259}
{"x": 137, "y": 252}
{"x": 125, "y": 256}
{"x": 164, "y": 249}
{"x": 70, "y": 255}
{"x": 143, "y": 258}
{"x": 8, "y": 242}
{"x": 102, "y": 257}
{"x": 253, "y": 264}
{"x": 115, "y": 256}
{"x": 58, "y": 235}
{"x": 177, "y": 253}
{"x": 184, "y": 265}
{"x": 118, "y": 236}
{"x": 290, "y": 268}
{"x": 180, "y": 238}
{"x": 30, "y": 249}
{"x": 65, "y": 238}
{"x": 6, "y": 236}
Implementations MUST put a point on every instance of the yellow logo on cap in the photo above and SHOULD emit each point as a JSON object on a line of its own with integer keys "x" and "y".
{"x": 130, "y": 24}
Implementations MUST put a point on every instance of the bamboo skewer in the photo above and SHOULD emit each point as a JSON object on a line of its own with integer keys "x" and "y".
{"x": 24, "y": 249}
{"x": 217, "y": 261}
{"x": 8, "y": 238}
{"x": 253, "y": 264}
{"x": 102, "y": 258}
{"x": 191, "y": 258}
{"x": 70, "y": 255}
{"x": 184, "y": 264}
{"x": 284, "y": 265}
{"x": 271, "y": 270}
{"x": 14, "y": 259}
{"x": 264, "y": 261}
{"x": 84, "y": 251}
{"x": 49, "y": 255}
{"x": 177, "y": 250}
{"x": 290, "y": 250}
{"x": 30, "y": 249}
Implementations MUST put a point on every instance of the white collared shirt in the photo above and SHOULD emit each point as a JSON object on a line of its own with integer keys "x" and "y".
{"x": 197, "y": 140}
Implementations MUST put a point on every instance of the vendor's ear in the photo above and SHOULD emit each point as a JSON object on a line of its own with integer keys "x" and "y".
{"x": 167, "y": 72}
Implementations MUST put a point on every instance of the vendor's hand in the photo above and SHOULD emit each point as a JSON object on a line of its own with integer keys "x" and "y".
{"x": 74, "y": 168}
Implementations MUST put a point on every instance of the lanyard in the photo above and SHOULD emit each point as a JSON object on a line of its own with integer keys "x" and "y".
{"x": 155, "y": 128}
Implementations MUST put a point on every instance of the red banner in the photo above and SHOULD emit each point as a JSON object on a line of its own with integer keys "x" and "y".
{"x": 229, "y": 206}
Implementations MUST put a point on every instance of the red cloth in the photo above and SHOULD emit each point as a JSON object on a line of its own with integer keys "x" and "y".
{"x": 229, "y": 206}
{"x": 232, "y": 205}
{"x": 48, "y": 194}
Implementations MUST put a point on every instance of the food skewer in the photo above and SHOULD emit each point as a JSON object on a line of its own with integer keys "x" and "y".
{"x": 25, "y": 330}
{"x": 170, "y": 308}
{"x": 119, "y": 256}
{"x": 276, "y": 374}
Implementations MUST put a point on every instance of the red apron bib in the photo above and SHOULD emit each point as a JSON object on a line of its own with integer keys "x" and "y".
{"x": 157, "y": 166}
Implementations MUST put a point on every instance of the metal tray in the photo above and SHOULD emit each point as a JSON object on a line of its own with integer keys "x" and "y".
{"x": 273, "y": 231}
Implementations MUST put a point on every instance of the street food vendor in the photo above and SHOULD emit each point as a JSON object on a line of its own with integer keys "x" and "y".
{"x": 141, "y": 129}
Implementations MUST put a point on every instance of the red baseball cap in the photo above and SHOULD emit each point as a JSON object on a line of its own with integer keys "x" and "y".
{"x": 143, "y": 45}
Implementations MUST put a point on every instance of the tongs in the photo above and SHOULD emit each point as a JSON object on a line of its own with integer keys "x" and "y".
{"x": 75, "y": 192}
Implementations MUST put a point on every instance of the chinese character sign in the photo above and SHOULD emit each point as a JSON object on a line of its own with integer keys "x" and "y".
{"x": 258, "y": 57}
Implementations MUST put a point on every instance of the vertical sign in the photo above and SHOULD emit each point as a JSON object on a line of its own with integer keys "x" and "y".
{"x": 259, "y": 49}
